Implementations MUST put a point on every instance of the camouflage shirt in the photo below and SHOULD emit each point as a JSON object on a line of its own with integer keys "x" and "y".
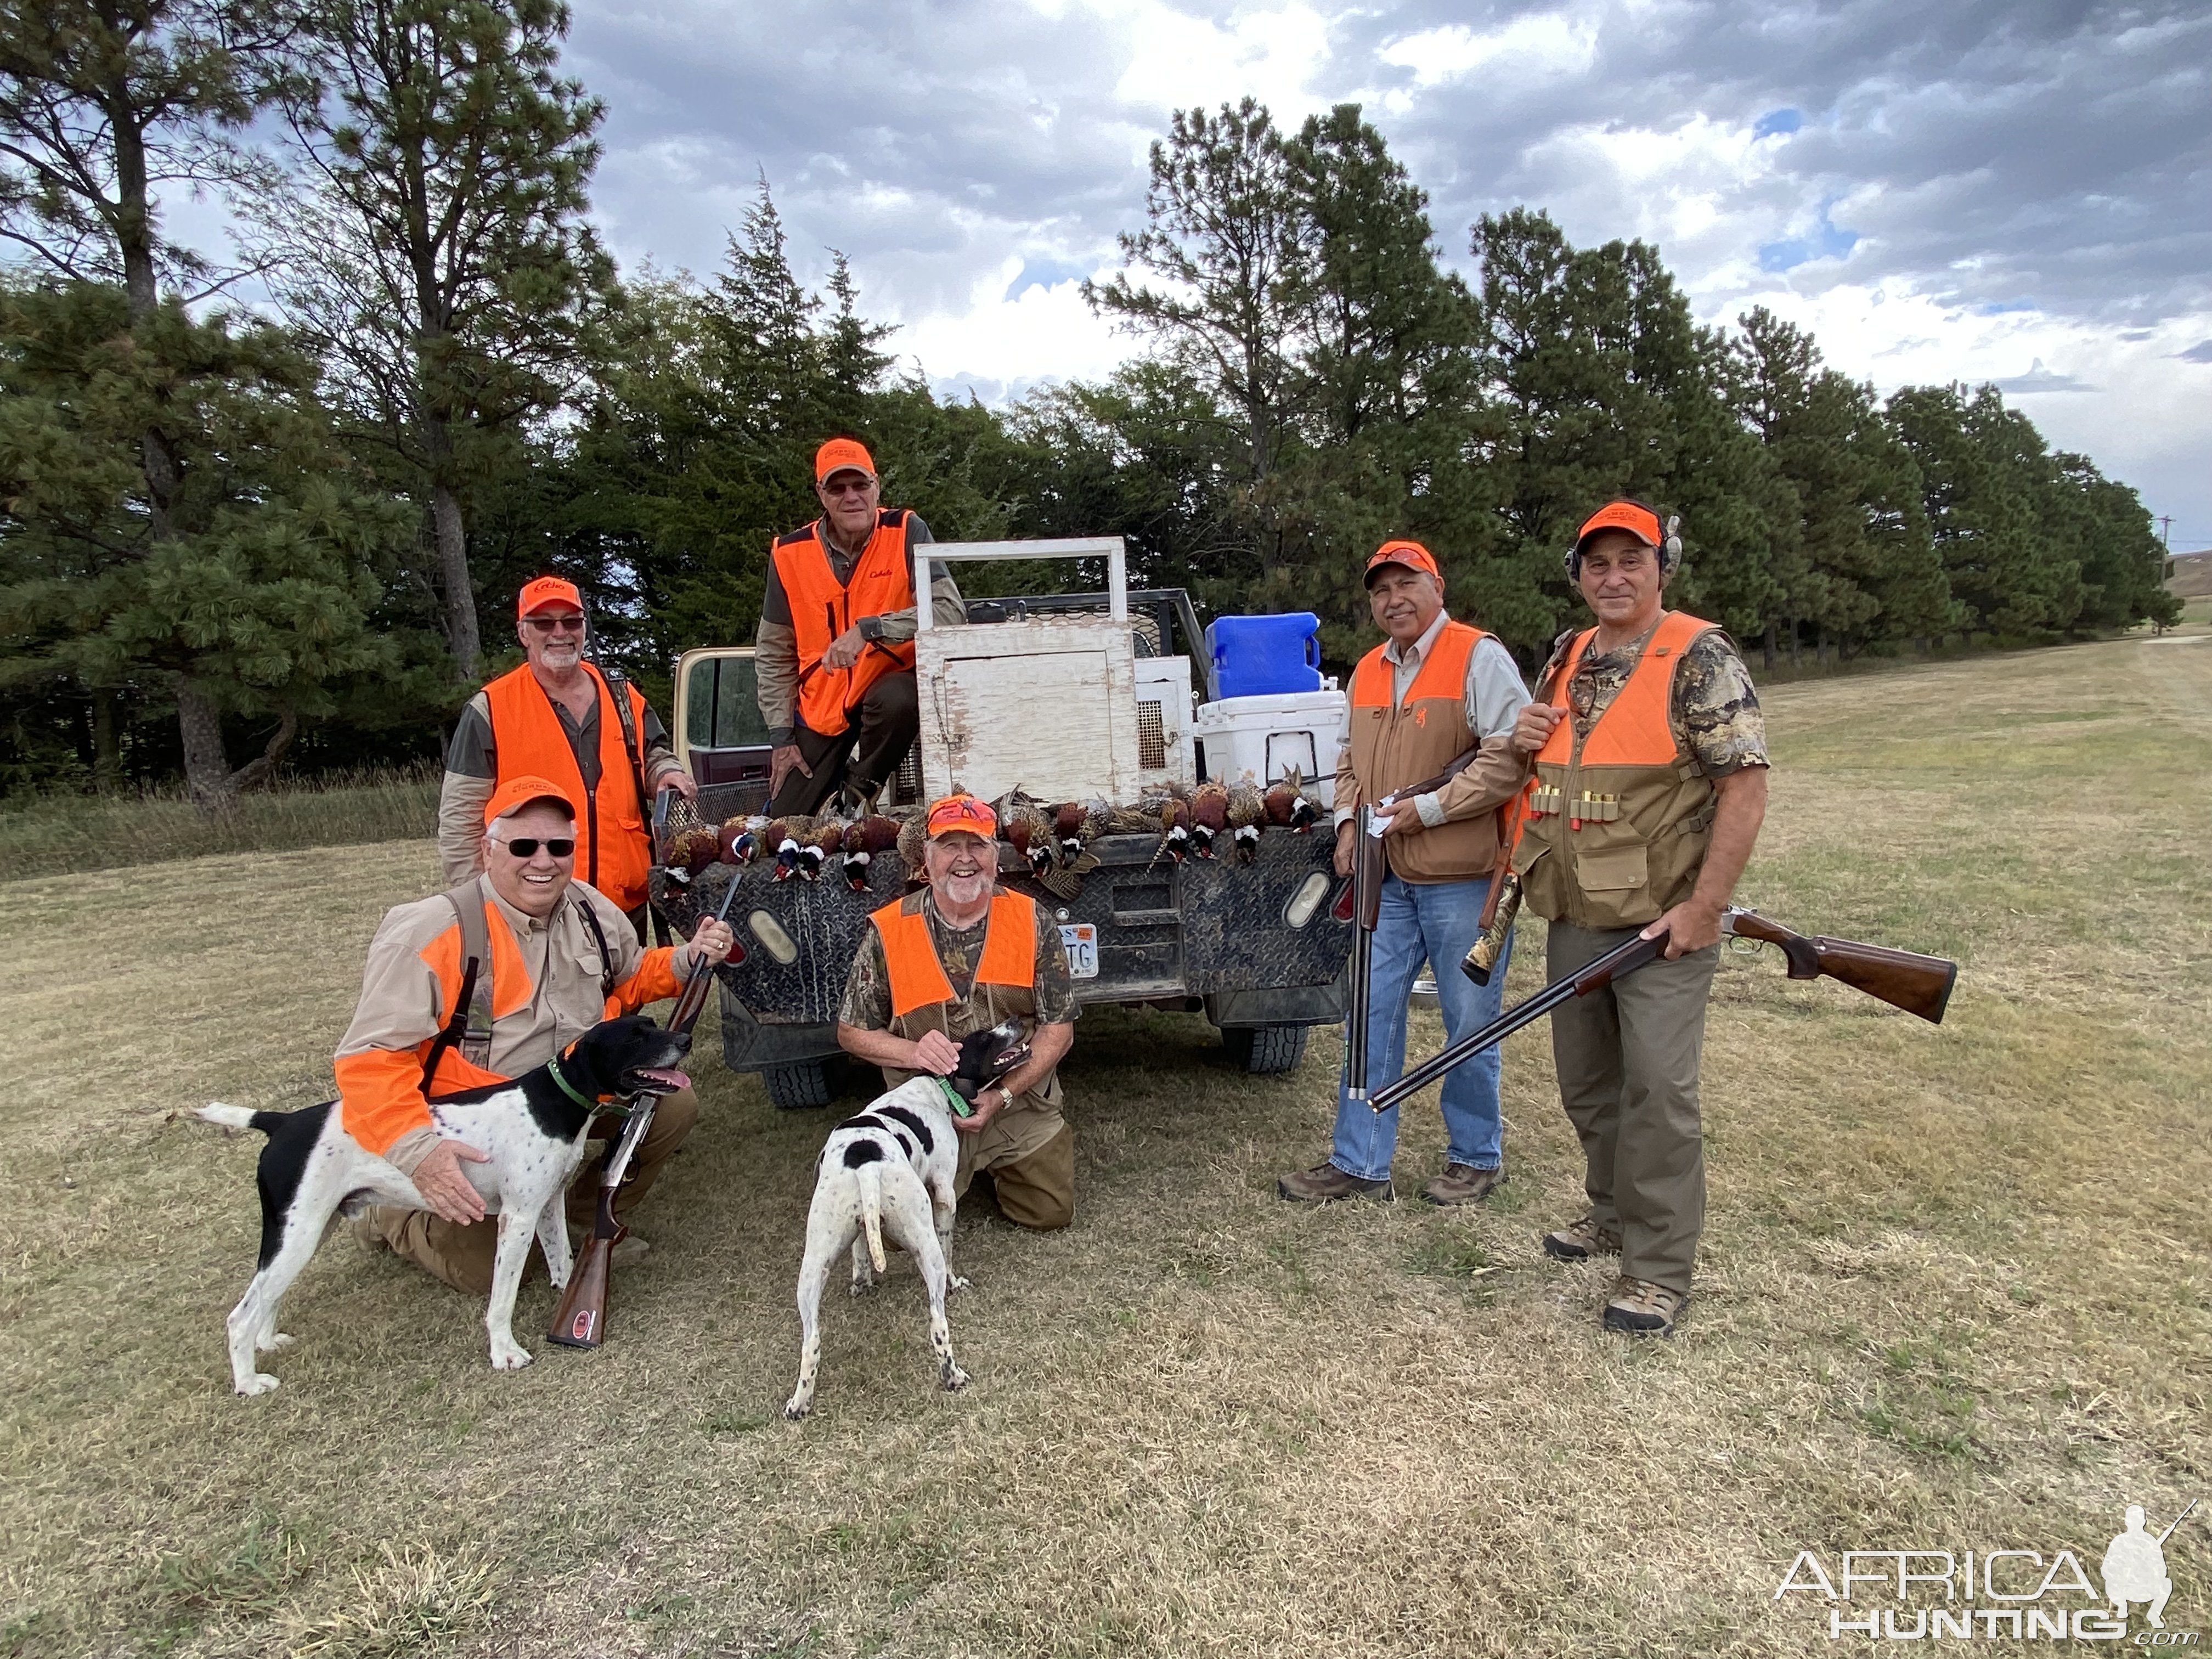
{"x": 1714, "y": 711}
{"x": 867, "y": 1004}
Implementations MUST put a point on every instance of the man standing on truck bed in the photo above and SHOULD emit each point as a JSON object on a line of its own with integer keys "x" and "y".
{"x": 1642, "y": 813}
{"x": 834, "y": 658}
{"x": 584, "y": 726}
{"x": 960, "y": 957}
{"x": 1433, "y": 689}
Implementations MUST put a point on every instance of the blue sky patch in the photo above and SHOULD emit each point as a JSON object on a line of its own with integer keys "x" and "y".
{"x": 1045, "y": 273}
{"x": 1826, "y": 242}
{"x": 1776, "y": 122}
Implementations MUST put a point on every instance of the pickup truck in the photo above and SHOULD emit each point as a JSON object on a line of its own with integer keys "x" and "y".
{"x": 1070, "y": 697}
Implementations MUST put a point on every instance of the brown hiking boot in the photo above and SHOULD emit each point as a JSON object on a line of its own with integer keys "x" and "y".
{"x": 1325, "y": 1184}
{"x": 1578, "y": 1241}
{"x": 1642, "y": 1308}
{"x": 1463, "y": 1183}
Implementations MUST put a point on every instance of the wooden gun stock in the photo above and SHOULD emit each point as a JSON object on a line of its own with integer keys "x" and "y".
{"x": 1903, "y": 979}
{"x": 581, "y": 1320}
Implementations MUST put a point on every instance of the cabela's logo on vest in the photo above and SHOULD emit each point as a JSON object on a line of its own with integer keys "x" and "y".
{"x": 2000, "y": 1594}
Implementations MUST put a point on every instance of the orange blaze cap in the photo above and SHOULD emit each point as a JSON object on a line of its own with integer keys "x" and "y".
{"x": 956, "y": 814}
{"x": 517, "y": 793}
{"x": 535, "y": 595}
{"x": 1640, "y": 522}
{"x": 1412, "y": 554}
{"x": 840, "y": 453}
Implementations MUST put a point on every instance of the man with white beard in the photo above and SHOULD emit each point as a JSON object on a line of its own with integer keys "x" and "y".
{"x": 961, "y": 956}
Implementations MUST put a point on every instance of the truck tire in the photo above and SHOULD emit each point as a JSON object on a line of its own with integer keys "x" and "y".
{"x": 1261, "y": 1050}
{"x": 798, "y": 1086}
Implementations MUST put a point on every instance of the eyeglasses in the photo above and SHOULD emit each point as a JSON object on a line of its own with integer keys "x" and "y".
{"x": 556, "y": 624}
{"x": 849, "y": 486}
{"x": 525, "y": 847}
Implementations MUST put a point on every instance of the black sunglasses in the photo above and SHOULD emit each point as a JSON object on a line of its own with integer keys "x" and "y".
{"x": 525, "y": 847}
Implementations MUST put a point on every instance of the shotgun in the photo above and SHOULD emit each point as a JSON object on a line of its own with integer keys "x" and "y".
{"x": 1347, "y": 907}
{"x": 581, "y": 1320}
{"x": 1903, "y": 979}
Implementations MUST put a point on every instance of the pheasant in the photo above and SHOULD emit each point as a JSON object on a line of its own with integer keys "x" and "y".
{"x": 693, "y": 850}
{"x": 1174, "y": 830}
{"x": 1248, "y": 811}
{"x": 913, "y": 835}
{"x": 1288, "y": 804}
{"x": 864, "y": 839}
{"x": 827, "y": 841}
{"x": 784, "y": 837}
{"x": 1209, "y": 817}
{"x": 741, "y": 839}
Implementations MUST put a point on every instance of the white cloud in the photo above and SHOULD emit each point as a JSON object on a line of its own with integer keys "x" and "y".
{"x": 1550, "y": 44}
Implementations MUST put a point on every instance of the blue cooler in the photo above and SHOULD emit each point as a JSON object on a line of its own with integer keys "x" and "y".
{"x": 1265, "y": 656}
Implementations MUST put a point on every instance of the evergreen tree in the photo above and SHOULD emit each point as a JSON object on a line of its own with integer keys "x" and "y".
{"x": 441, "y": 258}
{"x": 252, "y": 591}
{"x": 1226, "y": 231}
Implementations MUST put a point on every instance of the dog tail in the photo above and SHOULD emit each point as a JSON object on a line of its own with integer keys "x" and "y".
{"x": 871, "y": 1210}
{"x": 237, "y": 1117}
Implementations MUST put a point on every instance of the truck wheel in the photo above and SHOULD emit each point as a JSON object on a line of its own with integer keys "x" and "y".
{"x": 801, "y": 1085}
{"x": 1261, "y": 1050}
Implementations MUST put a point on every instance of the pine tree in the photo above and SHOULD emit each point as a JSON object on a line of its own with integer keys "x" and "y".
{"x": 442, "y": 259}
{"x": 255, "y": 586}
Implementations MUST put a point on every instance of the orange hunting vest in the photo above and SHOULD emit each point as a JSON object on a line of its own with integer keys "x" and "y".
{"x": 1617, "y": 818}
{"x": 1395, "y": 744}
{"x": 822, "y": 608}
{"x": 613, "y": 851}
{"x": 918, "y": 978}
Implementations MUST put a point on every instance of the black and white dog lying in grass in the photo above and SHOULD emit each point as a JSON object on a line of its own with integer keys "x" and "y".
{"x": 890, "y": 1171}
{"x": 533, "y": 1129}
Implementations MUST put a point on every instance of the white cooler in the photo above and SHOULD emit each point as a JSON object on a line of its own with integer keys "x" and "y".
{"x": 1266, "y": 736}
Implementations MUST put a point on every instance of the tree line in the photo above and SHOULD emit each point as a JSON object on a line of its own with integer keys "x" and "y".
{"x": 237, "y": 539}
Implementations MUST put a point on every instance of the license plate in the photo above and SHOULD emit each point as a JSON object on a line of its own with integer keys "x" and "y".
{"x": 1081, "y": 940}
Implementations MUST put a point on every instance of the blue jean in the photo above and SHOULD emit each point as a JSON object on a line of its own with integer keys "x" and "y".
{"x": 1438, "y": 922}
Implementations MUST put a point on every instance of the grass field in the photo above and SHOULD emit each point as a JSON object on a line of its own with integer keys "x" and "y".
{"x": 1953, "y": 1295}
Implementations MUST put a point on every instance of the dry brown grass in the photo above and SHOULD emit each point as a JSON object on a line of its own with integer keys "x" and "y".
{"x": 1954, "y": 1290}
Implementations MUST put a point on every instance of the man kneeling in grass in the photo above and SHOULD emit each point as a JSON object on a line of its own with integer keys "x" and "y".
{"x": 1644, "y": 807}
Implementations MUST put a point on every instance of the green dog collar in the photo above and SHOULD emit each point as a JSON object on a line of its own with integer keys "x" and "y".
{"x": 954, "y": 1101}
{"x": 569, "y": 1089}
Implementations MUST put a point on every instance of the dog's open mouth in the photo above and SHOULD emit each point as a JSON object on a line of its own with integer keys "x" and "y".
{"x": 663, "y": 1080}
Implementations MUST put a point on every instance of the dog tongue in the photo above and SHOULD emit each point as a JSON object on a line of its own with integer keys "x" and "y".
{"x": 668, "y": 1079}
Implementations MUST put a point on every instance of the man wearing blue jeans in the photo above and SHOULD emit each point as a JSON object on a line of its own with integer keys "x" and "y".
{"x": 1434, "y": 689}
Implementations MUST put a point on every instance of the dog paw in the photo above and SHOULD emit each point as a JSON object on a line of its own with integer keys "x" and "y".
{"x": 955, "y": 1379}
{"x": 262, "y": 1383}
{"x": 509, "y": 1356}
{"x": 862, "y": 1286}
{"x": 274, "y": 1340}
{"x": 954, "y": 1282}
{"x": 794, "y": 1411}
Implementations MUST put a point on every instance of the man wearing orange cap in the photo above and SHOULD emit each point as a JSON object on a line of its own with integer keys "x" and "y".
{"x": 834, "y": 657}
{"x": 554, "y": 958}
{"x": 1651, "y": 758}
{"x": 1433, "y": 689}
{"x": 559, "y": 716}
{"x": 960, "y": 957}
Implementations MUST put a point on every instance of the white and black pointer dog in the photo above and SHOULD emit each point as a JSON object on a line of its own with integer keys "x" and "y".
{"x": 890, "y": 1171}
{"x": 534, "y": 1130}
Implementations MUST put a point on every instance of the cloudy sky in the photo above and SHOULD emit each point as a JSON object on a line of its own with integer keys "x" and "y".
{"x": 2018, "y": 190}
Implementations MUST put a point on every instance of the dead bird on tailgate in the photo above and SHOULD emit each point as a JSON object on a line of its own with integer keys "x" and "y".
{"x": 1076, "y": 824}
{"x": 912, "y": 836}
{"x": 865, "y": 838}
{"x": 827, "y": 842}
{"x": 1247, "y": 812}
{"x": 1209, "y": 817}
{"x": 1175, "y": 828}
{"x": 1288, "y": 806}
{"x": 743, "y": 838}
{"x": 1023, "y": 826}
{"x": 693, "y": 850}
{"x": 786, "y": 838}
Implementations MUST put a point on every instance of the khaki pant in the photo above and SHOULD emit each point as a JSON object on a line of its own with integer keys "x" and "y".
{"x": 462, "y": 1256}
{"x": 1037, "y": 1191}
{"x": 1627, "y": 1059}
